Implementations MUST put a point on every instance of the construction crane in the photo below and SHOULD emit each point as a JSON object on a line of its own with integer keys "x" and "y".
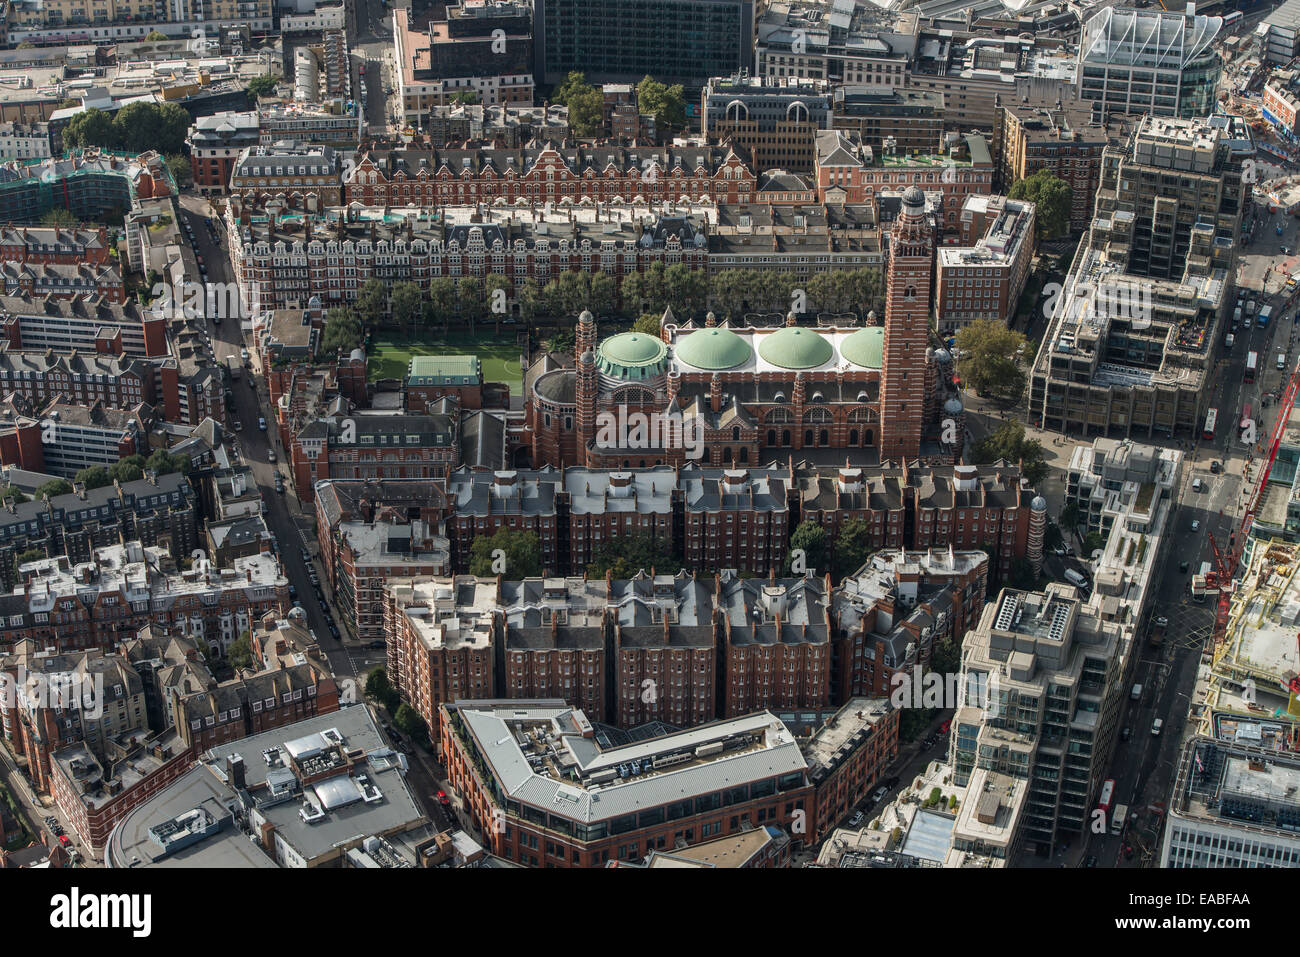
{"x": 1226, "y": 562}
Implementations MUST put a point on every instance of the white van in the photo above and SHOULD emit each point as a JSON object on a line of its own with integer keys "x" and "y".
{"x": 1074, "y": 578}
{"x": 1229, "y": 340}
{"x": 1281, "y": 360}
{"x": 1156, "y": 725}
{"x": 1136, "y": 693}
{"x": 1236, "y": 317}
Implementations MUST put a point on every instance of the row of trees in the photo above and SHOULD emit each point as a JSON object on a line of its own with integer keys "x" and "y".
{"x": 688, "y": 292}
{"x": 586, "y": 103}
{"x": 135, "y": 128}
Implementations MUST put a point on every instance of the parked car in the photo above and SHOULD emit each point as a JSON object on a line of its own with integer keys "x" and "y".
{"x": 270, "y": 456}
{"x": 856, "y": 819}
{"x": 944, "y": 728}
{"x": 1196, "y": 525}
{"x": 1157, "y": 726}
{"x": 442, "y": 798}
{"x": 63, "y": 839}
{"x": 1126, "y": 734}
{"x": 879, "y": 793}
{"x": 261, "y": 423}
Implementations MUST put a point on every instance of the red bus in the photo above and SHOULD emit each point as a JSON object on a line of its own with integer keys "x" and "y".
{"x": 1245, "y": 417}
{"x": 1252, "y": 365}
{"x": 1107, "y": 794}
{"x": 1211, "y": 420}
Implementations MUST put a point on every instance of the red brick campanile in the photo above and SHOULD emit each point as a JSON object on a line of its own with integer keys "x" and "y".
{"x": 907, "y": 325}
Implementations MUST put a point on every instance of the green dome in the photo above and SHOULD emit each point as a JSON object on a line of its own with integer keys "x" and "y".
{"x": 865, "y": 348}
{"x": 795, "y": 348}
{"x": 712, "y": 349}
{"x": 631, "y": 355}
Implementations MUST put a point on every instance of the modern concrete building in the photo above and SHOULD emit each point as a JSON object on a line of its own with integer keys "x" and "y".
{"x": 842, "y": 42}
{"x": 1153, "y": 62}
{"x": 1100, "y": 476}
{"x": 1133, "y": 337}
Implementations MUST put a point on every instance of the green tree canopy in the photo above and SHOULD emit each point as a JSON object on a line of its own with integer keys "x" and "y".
{"x": 406, "y": 304}
{"x": 989, "y": 360}
{"x": 128, "y": 469}
{"x": 586, "y": 104}
{"x": 379, "y": 688}
{"x": 648, "y": 324}
{"x": 240, "y": 652}
{"x": 180, "y": 169}
{"x": 261, "y": 86}
{"x": 811, "y": 538}
{"x": 153, "y": 36}
{"x": 1009, "y": 443}
{"x": 852, "y": 547}
{"x": 12, "y": 492}
{"x": 164, "y": 463}
{"x": 372, "y": 301}
{"x": 522, "y": 552}
{"x": 58, "y": 216}
{"x": 408, "y": 721}
{"x": 664, "y": 103}
{"x": 53, "y": 488}
{"x": 624, "y": 557}
{"x": 90, "y": 128}
{"x": 1051, "y": 197}
{"x": 94, "y": 477}
{"x": 342, "y": 330}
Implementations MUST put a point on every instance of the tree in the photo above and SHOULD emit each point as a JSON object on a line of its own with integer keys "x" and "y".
{"x": 464, "y": 96}
{"x": 261, "y": 86}
{"x": 342, "y": 331}
{"x": 58, "y": 216}
{"x": 406, "y": 302}
{"x": 94, "y": 477}
{"x": 180, "y": 169}
{"x": 811, "y": 539}
{"x": 945, "y": 657}
{"x": 128, "y": 469}
{"x": 53, "y": 488}
{"x": 379, "y": 688}
{"x": 442, "y": 301}
{"x": 624, "y": 557}
{"x": 1051, "y": 197}
{"x": 240, "y": 652}
{"x": 853, "y": 546}
{"x": 1092, "y": 543}
{"x": 604, "y": 294}
{"x": 153, "y": 36}
{"x": 408, "y": 721}
{"x": 989, "y": 360}
{"x": 469, "y": 299}
{"x": 1010, "y": 444}
{"x": 664, "y": 103}
{"x": 1070, "y": 516}
{"x": 138, "y": 127}
{"x": 529, "y": 297}
{"x": 89, "y": 128}
{"x": 685, "y": 289}
{"x": 647, "y": 324}
{"x": 586, "y": 104}
{"x": 561, "y": 341}
{"x": 163, "y": 462}
{"x": 521, "y": 552}
{"x": 372, "y": 301}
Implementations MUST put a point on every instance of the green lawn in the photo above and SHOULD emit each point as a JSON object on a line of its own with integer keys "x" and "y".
{"x": 389, "y": 355}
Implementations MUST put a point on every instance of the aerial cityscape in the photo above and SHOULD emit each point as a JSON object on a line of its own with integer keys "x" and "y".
{"x": 513, "y": 434}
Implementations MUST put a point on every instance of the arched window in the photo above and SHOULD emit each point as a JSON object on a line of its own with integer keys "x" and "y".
{"x": 853, "y": 436}
{"x": 785, "y": 437}
{"x": 771, "y": 436}
{"x": 735, "y": 434}
{"x": 808, "y": 437}
{"x": 744, "y": 453}
{"x": 823, "y": 438}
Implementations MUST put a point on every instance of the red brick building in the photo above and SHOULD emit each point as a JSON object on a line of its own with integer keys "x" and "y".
{"x": 907, "y": 330}
{"x": 47, "y": 245}
{"x": 600, "y": 174}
